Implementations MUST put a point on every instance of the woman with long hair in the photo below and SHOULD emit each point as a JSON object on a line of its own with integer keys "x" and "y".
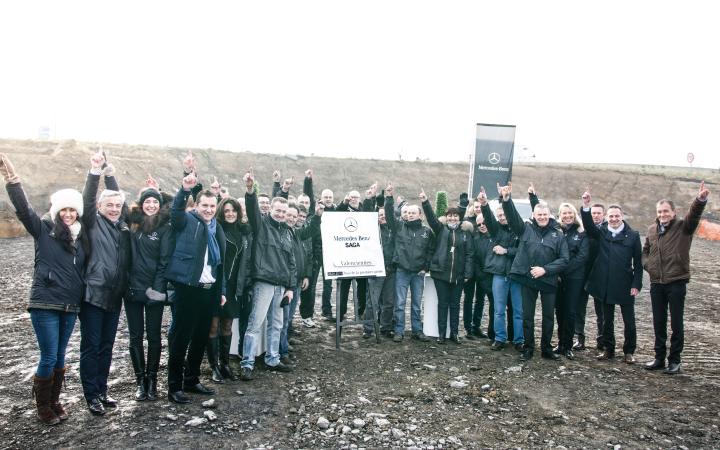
{"x": 151, "y": 245}
{"x": 236, "y": 265}
{"x": 62, "y": 248}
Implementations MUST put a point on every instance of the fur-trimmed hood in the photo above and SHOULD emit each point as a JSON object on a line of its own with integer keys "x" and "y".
{"x": 464, "y": 224}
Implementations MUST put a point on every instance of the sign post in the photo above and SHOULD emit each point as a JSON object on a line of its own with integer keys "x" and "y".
{"x": 492, "y": 162}
{"x": 351, "y": 249}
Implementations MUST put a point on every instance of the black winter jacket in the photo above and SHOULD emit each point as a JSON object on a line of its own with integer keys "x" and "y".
{"x": 503, "y": 236}
{"x": 452, "y": 260}
{"x": 59, "y": 275}
{"x": 109, "y": 264}
{"x": 387, "y": 236}
{"x": 618, "y": 265}
{"x": 579, "y": 250}
{"x": 273, "y": 258}
{"x": 482, "y": 248}
{"x": 237, "y": 259}
{"x": 414, "y": 242}
{"x": 150, "y": 254}
{"x": 539, "y": 246}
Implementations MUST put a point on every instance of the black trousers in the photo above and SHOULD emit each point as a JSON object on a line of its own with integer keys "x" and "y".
{"x": 193, "y": 315}
{"x": 529, "y": 297}
{"x": 663, "y": 297}
{"x": 630, "y": 332}
{"x": 144, "y": 319}
{"x": 307, "y": 297}
{"x": 582, "y": 313}
{"x": 476, "y": 289}
{"x": 98, "y": 328}
{"x": 345, "y": 293}
{"x": 448, "y": 303}
{"x": 327, "y": 296}
{"x": 243, "y": 317}
{"x": 566, "y": 305}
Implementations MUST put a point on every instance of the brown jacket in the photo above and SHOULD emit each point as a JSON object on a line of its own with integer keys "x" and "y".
{"x": 666, "y": 256}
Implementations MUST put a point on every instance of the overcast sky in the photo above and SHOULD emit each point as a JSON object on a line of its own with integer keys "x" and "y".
{"x": 625, "y": 81}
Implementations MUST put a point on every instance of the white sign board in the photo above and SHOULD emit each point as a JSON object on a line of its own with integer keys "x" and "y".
{"x": 351, "y": 245}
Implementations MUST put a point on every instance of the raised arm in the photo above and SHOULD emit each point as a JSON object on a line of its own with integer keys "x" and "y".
{"x": 23, "y": 210}
{"x": 517, "y": 225}
{"x": 532, "y": 195}
{"x": 390, "y": 207}
{"x": 251, "y": 203}
{"x": 692, "y": 218}
{"x": 178, "y": 217}
{"x": 429, "y": 213}
{"x": 308, "y": 188}
{"x": 590, "y": 229}
{"x": 90, "y": 191}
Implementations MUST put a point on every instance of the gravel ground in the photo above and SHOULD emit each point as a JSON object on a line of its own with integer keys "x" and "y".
{"x": 370, "y": 395}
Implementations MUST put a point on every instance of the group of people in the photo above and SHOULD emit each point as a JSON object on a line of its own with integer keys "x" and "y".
{"x": 214, "y": 258}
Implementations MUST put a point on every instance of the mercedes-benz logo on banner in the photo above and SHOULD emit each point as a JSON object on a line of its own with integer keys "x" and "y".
{"x": 494, "y": 158}
{"x": 351, "y": 224}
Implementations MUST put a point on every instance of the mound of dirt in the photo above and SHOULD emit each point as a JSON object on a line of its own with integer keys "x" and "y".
{"x": 47, "y": 166}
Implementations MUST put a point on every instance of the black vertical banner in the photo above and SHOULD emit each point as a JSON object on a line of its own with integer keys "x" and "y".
{"x": 492, "y": 162}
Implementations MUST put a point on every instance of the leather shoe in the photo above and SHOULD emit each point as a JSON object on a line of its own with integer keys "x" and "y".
{"x": 280, "y": 367}
{"x": 527, "y": 355}
{"x": 246, "y": 374}
{"x": 178, "y": 397}
{"x": 107, "y": 401}
{"x": 629, "y": 358}
{"x": 199, "y": 389}
{"x": 655, "y": 364}
{"x": 470, "y": 337}
{"x": 551, "y": 356}
{"x": 96, "y": 407}
{"x": 672, "y": 369}
{"x": 497, "y": 346}
{"x": 455, "y": 339}
{"x": 606, "y": 355}
{"x": 441, "y": 340}
{"x": 559, "y": 349}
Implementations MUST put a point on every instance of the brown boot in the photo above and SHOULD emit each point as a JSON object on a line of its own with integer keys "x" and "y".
{"x": 58, "y": 381}
{"x": 42, "y": 388}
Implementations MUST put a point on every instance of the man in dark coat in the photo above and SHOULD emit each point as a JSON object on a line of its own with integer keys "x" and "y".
{"x": 616, "y": 275}
{"x": 107, "y": 279}
{"x": 666, "y": 257}
{"x": 542, "y": 255}
{"x": 196, "y": 271}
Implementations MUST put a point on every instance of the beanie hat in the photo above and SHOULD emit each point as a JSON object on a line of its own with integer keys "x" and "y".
{"x": 65, "y": 198}
{"x": 150, "y": 193}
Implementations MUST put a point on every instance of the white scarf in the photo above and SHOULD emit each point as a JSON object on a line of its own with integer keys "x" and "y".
{"x": 75, "y": 230}
{"x": 617, "y": 230}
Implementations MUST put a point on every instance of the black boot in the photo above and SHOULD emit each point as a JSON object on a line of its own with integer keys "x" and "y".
{"x": 212, "y": 356}
{"x": 153, "y": 366}
{"x": 138, "y": 361}
{"x": 225, "y": 369}
{"x": 141, "y": 391}
{"x": 151, "y": 386}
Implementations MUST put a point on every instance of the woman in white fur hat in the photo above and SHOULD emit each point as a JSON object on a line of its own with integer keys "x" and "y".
{"x": 61, "y": 251}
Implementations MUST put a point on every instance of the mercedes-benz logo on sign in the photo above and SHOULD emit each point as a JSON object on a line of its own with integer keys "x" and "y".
{"x": 351, "y": 224}
{"x": 494, "y": 158}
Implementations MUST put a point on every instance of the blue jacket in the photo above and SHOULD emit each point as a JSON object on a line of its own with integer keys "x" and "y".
{"x": 188, "y": 258}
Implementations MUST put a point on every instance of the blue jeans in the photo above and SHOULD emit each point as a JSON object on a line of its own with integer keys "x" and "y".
{"x": 288, "y": 314}
{"x": 416, "y": 283}
{"x": 266, "y": 304}
{"x": 53, "y": 330}
{"x": 97, "y": 337}
{"x": 500, "y": 288}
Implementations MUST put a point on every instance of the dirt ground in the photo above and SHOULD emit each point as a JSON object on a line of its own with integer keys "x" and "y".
{"x": 389, "y": 395}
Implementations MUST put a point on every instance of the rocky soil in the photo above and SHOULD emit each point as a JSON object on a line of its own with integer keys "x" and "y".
{"x": 408, "y": 395}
